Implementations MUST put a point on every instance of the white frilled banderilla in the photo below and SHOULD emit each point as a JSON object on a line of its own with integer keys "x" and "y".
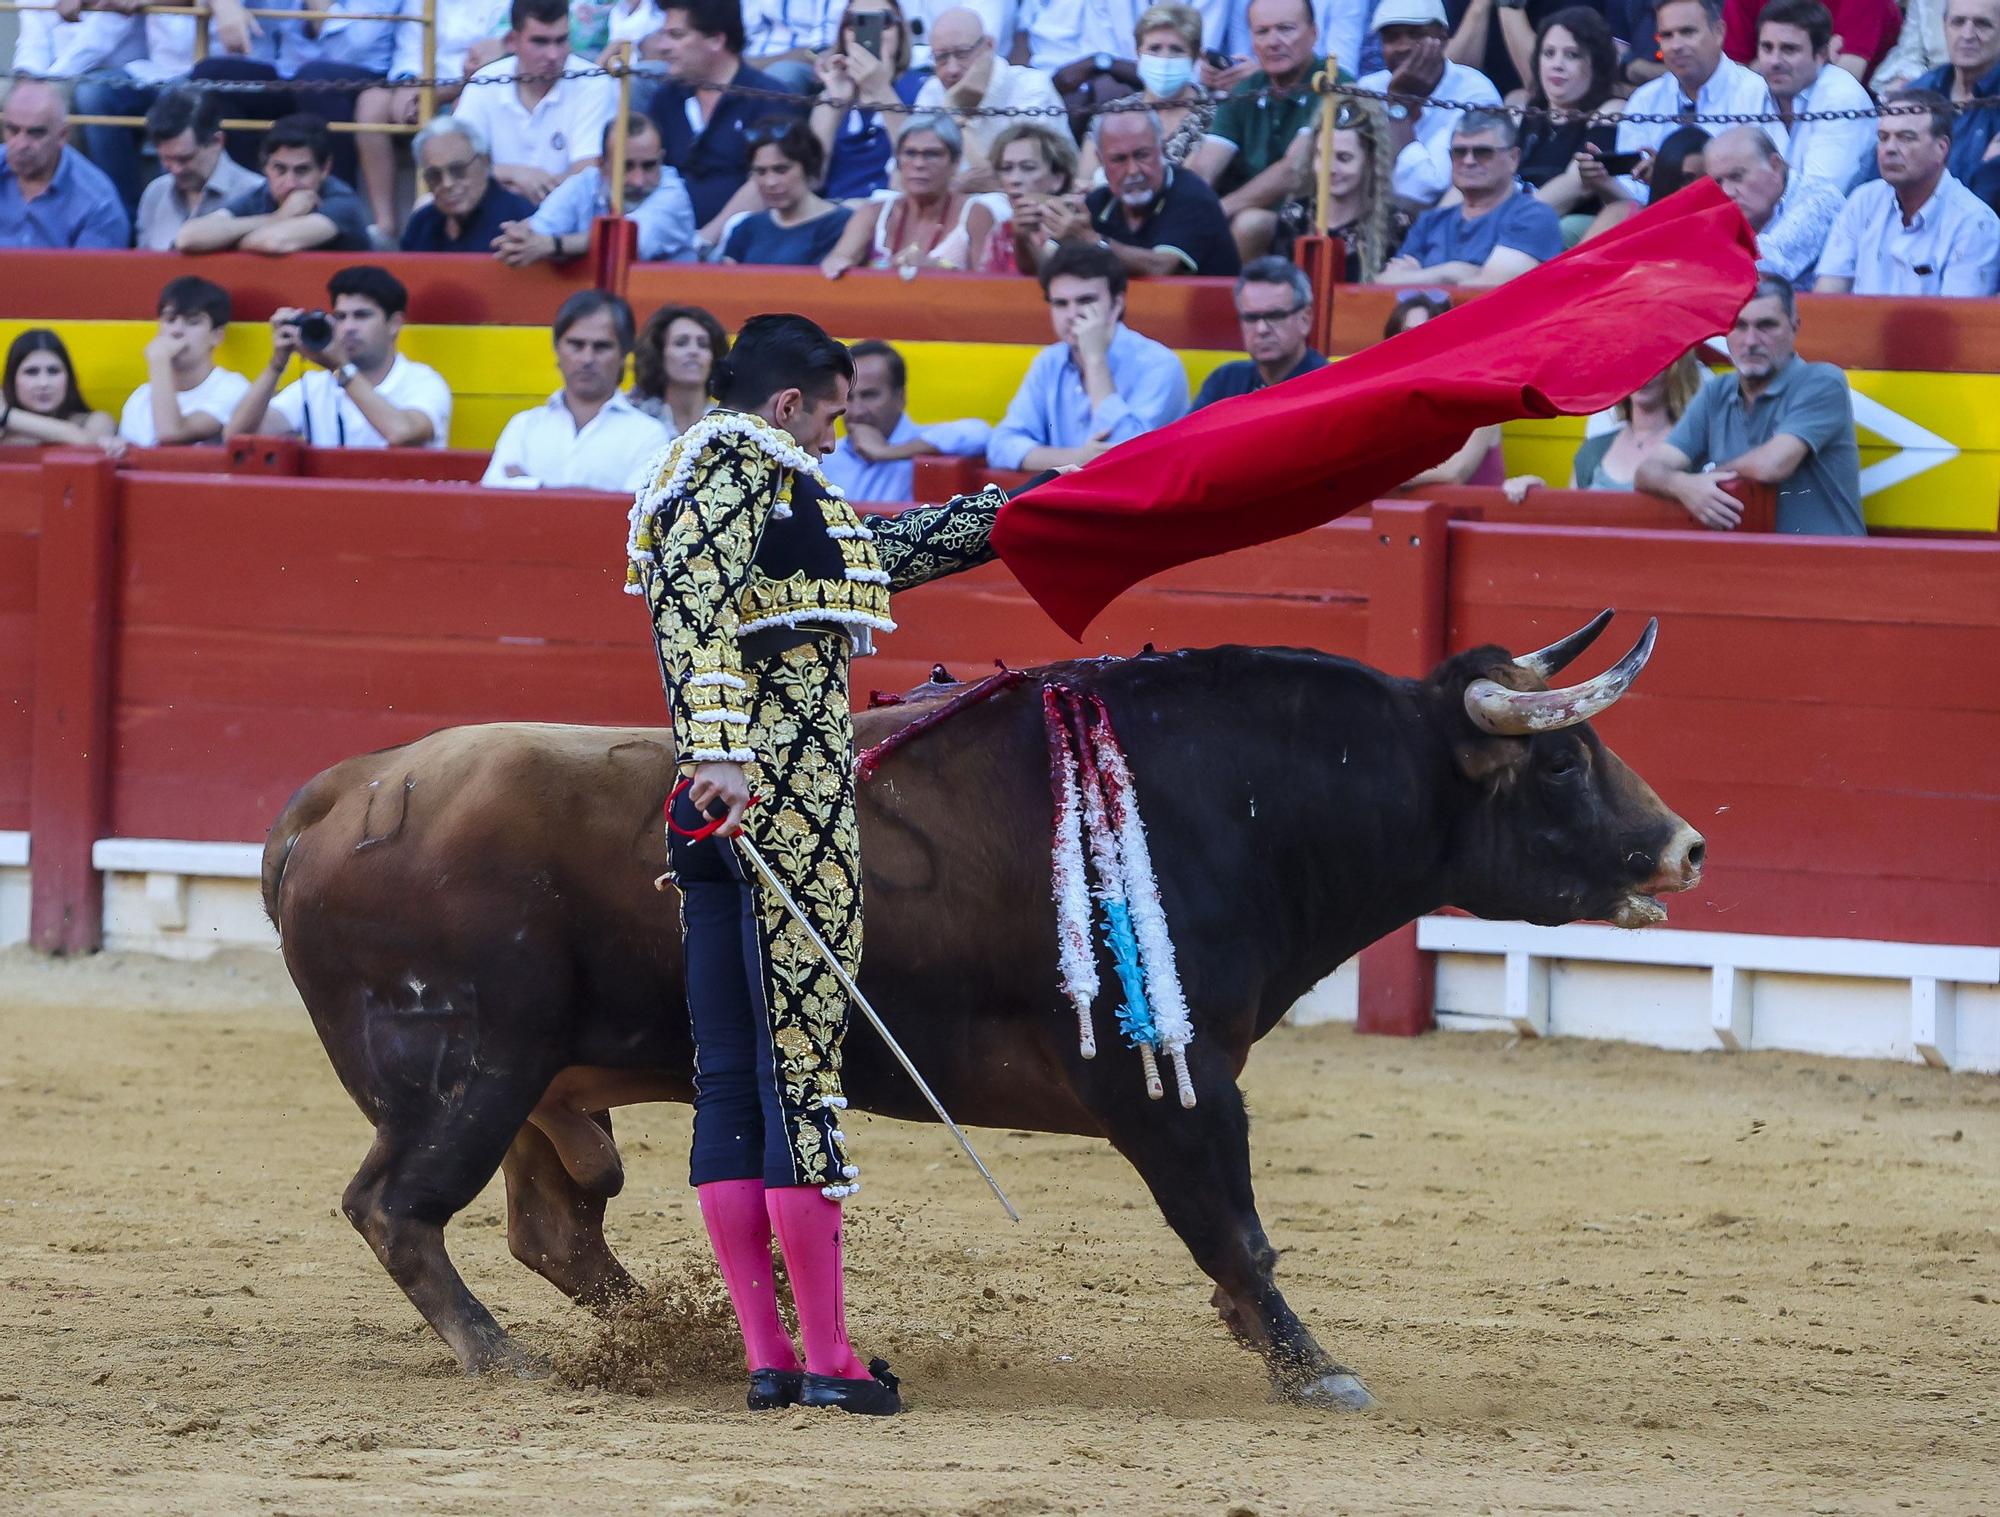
{"x": 1096, "y": 810}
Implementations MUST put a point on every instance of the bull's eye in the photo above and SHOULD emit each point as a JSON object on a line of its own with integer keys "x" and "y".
{"x": 1562, "y": 764}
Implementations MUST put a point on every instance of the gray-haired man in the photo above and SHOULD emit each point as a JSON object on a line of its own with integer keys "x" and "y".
{"x": 1499, "y": 231}
{"x": 1274, "y": 305}
{"x": 1155, "y": 218}
{"x": 468, "y": 206}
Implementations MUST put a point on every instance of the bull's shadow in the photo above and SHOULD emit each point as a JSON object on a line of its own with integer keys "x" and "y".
{"x": 473, "y": 924}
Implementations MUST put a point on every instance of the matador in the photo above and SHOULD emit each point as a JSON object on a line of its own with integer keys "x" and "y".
{"x": 763, "y": 583}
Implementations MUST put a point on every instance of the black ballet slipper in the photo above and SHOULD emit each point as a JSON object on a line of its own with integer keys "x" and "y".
{"x": 875, "y": 1396}
{"x": 773, "y": 1390}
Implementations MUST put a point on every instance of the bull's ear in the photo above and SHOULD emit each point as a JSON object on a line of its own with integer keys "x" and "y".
{"x": 1491, "y": 761}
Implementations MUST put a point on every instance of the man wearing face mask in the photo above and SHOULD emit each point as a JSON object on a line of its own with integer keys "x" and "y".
{"x": 763, "y": 584}
{"x": 1155, "y": 219}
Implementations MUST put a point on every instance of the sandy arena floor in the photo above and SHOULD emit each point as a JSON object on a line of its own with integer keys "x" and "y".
{"x": 1582, "y": 1278}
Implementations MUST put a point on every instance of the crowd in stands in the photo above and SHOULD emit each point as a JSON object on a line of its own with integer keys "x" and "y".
{"x": 920, "y": 135}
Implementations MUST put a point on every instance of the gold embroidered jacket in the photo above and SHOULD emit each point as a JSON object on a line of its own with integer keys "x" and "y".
{"x": 738, "y": 533}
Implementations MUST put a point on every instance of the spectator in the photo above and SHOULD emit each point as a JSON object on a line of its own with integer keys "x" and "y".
{"x": 1698, "y": 86}
{"x": 1499, "y": 231}
{"x": 1919, "y": 47}
{"x": 633, "y": 21}
{"x": 796, "y": 226}
{"x": 1169, "y": 41}
{"x": 656, "y": 202}
{"x": 1865, "y": 30}
{"x": 186, "y": 398}
{"x": 1608, "y": 460}
{"x": 855, "y": 87}
{"x": 1972, "y": 38}
{"x": 1478, "y": 460}
{"x": 1790, "y": 213}
{"x": 996, "y": 19}
{"x": 51, "y": 196}
{"x": 468, "y": 206}
{"x": 1361, "y": 206}
{"x": 705, "y": 132}
{"x": 1037, "y": 169}
{"x": 927, "y": 223}
{"x": 470, "y": 35}
{"x": 971, "y": 74}
{"x": 1778, "y": 420}
{"x": 781, "y": 38}
{"x": 1681, "y": 161}
{"x": 673, "y": 363}
{"x": 1570, "y": 111}
{"x": 369, "y": 395}
{"x": 1413, "y": 54}
{"x": 40, "y": 401}
{"x": 542, "y": 127}
{"x": 1257, "y": 147}
{"x": 299, "y": 205}
{"x": 185, "y": 128}
{"x": 1793, "y": 42}
{"x": 1062, "y": 32}
{"x": 1916, "y": 230}
{"x": 1274, "y": 302}
{"x": 1156, "y": 219}
{"x": 1099, "y": 383}
{"x": 586, "y": 436}
{"x": 875, "y": 459}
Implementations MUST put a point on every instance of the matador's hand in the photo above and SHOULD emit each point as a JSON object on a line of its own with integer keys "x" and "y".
{"x": 719, "y": 780}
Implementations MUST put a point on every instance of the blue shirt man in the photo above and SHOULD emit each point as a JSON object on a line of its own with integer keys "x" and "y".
{"x": 664, "y": 218}
{"x": 1099, "y": 384}
{"x": 1451, "y": 235}
{"x": 1974, "y": 129}
{"x": 1498, "y": 231}
{"x": 51, "y": 196}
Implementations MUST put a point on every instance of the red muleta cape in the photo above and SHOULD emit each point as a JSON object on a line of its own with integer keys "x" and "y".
{"x": 1570, "y": 337}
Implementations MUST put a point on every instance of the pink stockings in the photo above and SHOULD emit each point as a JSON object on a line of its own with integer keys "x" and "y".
{"x": 741, "y": 1216}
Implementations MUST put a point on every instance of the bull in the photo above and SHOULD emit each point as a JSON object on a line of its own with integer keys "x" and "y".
{"x": 472, "y": 922}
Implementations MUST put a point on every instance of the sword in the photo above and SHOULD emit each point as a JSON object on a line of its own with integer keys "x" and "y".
{"x": 777, "y": 888}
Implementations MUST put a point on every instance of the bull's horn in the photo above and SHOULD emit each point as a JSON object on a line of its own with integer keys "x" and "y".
{"x": 1548, "y": 662}
{"x": 1519, "y": 713}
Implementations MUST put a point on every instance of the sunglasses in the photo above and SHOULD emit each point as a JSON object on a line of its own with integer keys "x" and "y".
{"x": 458, "y": 173}
{"x": 1483, "y": 153}
{"x": 1268, "y": 318}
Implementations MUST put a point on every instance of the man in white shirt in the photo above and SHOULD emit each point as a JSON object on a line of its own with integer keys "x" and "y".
{"x": 1916, "y": 230}
{"x": 1414, "y": 34}
{"x": 996, "y": 19}
{"x": 185, "y": 129}
{"x": 875, "y": 459}
{"x": 1700, "y": 84}
{"x": 186, "y": 398}
{"x": 366, "y": 394}
{"x": 971, "y": 73}
{"x": 1794, "y": 56}
{"x": 543, "y": 127}
{"x": 586, "y": 436}
{"x": 1790, "y": 213}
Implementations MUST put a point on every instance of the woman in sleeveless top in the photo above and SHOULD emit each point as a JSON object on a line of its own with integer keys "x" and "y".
{"x": 1610, "y": 460}
{"x": 926, "y": 224}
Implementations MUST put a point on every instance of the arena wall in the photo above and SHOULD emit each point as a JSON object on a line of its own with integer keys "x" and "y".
{"x": 1825, "y": 711}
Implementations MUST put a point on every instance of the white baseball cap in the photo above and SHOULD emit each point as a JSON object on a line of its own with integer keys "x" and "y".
{"x": 1408, "y": 13}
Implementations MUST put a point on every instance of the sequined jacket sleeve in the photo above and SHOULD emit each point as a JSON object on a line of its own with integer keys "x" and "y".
{"x": 707, "y": 536}
{"x": 928, "y": 542}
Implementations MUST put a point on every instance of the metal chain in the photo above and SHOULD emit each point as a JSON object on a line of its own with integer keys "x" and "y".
{"x": 1015, "y": 112}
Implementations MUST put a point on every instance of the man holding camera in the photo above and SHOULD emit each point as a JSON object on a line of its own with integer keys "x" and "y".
{"x": 366, "y": 395}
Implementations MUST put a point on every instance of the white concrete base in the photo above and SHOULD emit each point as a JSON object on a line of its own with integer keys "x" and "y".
{"x": 182, "y": 900}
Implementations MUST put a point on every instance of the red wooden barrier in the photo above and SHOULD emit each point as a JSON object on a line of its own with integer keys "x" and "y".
{"x": 20, "y": 528}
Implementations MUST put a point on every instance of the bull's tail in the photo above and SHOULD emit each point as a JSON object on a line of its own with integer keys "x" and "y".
{"x": 311, "y": 803}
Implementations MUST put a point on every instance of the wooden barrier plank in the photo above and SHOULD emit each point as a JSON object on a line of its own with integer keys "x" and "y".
{"x": 1804, "y": 903}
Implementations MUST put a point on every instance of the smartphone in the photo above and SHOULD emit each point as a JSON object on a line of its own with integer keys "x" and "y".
{"x": 1621, "y": 163}
{"x": 1217, "y": 59}
{"x": 868, "y": 30}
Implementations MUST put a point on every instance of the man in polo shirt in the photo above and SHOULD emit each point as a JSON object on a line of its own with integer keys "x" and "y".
{"x": 1274, "y": 306}
{"x": 586, "y": 436}
{"x": 1794, "y": 57}
{"x": 1259, "y": 144}
{"x": 51, "y": 196}
{"x": 299, "y": 206}
{"x": 705, "y": 132}
{"x": 656, "y": 202}
{"x": 1916, "y": 230}
{"x": 1499, "y": 231}
{"x": 1790, "y": 213}
{"x": 1414, "y": 37}
{"x": 541, "y": 127}
{"x": 364, "y": 394}
{"x": 970, "y": 73}
{"x": 1155, "y": 218}
{"x": 185, "y": 128}
{"x": 468, "y": 206}
{"x": 1099, "y": 384}
{"x": 1778, "y": 420}
{"x": 1972, "y": 38}
{"x": 875, "y": 459}
{"x": 1699, "y": 86}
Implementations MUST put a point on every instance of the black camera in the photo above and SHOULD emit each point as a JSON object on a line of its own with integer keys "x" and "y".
{"x": 315, "y": 331}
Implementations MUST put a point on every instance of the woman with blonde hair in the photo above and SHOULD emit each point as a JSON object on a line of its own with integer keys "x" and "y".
{"x": 1168, "y": 38}
{"x": 1610, "y": 460}
{"x": 1036, "y": 166}
{"x": 1361, "y": 206}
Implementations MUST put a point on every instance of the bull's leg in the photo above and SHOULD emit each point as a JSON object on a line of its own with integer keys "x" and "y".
{"x": 555, "y": 1226}
{"x": 416, "y": 1177}
{"x": 1197, "y": 1165}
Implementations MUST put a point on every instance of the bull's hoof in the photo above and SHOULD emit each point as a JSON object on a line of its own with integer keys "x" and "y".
{"x": 508, "y": 1359}
{"x": 1338, "y": 1392}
